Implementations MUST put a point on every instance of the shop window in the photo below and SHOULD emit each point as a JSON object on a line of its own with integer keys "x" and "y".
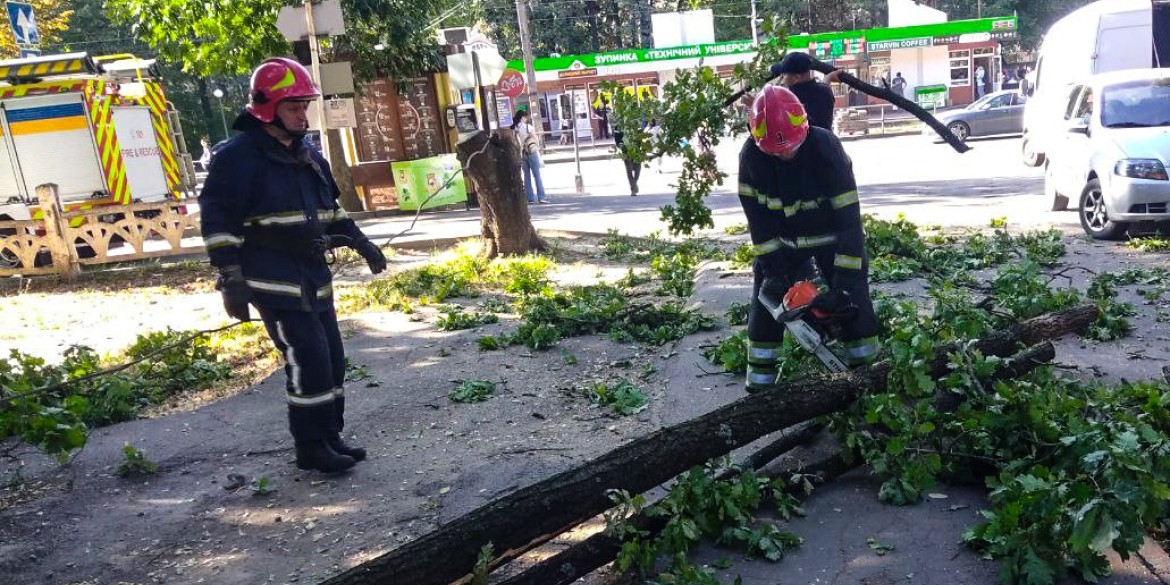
{"x": 960, "y": 68}
{"x": 983, "y": 52}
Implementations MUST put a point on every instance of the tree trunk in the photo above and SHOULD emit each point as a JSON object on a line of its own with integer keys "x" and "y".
{"x": 349, "y": 198}
{"x": 205, "y": 105}
{"x": 494, "y": 164}
{"x": 533, "y": 515}
{"x": 826, "y": 463}
{"x": 589, "y": 554}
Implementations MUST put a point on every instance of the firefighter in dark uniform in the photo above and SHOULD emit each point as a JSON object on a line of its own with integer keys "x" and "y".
{"x": 797, "y": 189}
{"x": 270, "y": 217}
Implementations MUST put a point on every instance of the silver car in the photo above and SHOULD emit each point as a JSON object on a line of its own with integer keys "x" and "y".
{"x": 1114, "y": 155}
{"x": 994, "y": 114}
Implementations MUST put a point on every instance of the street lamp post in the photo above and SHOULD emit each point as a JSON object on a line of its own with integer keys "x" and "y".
{"x": 218, "y": 93}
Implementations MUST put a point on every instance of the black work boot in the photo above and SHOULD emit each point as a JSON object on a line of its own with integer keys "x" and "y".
{"x": 319, "y": 456}
{"x": 340, "y": 446}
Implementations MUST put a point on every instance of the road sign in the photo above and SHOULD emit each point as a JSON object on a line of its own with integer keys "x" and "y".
{"x": 24, "y": 23}
{"x": 26, "y": 52}
{"x": 328, "y": 20}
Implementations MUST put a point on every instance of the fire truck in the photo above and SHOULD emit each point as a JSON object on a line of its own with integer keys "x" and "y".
{"x": 99, "y": 127}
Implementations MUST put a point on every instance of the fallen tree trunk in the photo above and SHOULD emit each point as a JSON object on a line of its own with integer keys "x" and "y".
{"x": 533, "y": 515}
{"x": 593, "y": 552}
{"x": 597, "y": 550}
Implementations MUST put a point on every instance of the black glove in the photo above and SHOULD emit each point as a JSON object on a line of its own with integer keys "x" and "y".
{"x": 321, "y": 244}
{"x": 372, "y": 253}
{"x": 235, "y": 292}
{"x": 836, "y": 304}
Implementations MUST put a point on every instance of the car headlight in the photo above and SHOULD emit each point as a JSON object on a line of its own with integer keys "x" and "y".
{"x": 1140, "y": 168}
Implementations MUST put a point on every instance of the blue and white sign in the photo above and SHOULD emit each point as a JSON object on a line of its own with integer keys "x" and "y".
{"x": 26, "y": 52}
{"x": 24, "y": 23}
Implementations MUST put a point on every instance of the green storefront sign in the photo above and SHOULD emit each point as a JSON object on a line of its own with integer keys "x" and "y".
{"x": 875, "y": 39}
{"x": 900, "y": 44}
{"x": 416, "y": 180}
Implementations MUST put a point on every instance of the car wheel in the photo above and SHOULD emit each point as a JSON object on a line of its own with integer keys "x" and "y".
{"x": 1094, "y": 215}
{"x": 1031, "y": 157}
{"x": 960, "y": 130}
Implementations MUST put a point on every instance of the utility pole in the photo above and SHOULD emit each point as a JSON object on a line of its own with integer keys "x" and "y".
{"x": 530, "y": 73}
{"x": 315, "y": 64}
{"x": 755, "y": 38}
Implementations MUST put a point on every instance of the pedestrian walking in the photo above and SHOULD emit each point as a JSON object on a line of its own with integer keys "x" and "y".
{"x": 798, "y": 192}
{"x": 633, "y": 170}
{"x": 529, "y": 157}
{"x": 817, "y": 98}
{"x": 980, "y": 80}
{"x": 602, "y": 115}
{"x": 270, "y": 217}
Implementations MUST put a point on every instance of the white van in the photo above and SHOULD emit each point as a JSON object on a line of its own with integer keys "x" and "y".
{"x": 1105, "y": 36}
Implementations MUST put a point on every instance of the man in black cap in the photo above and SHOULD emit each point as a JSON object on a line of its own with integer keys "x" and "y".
{"x": 817, "y": 98}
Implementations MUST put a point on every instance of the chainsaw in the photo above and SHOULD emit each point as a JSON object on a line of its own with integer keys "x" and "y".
{"x": 811, "y": 328}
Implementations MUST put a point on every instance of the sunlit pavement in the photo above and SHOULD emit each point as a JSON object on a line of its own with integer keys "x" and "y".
{"x": 929, "y": 183}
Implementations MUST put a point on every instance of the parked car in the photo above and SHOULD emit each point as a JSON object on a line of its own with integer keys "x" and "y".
{"x": 1114, "y": 152}
{"x": 994, "y": 114}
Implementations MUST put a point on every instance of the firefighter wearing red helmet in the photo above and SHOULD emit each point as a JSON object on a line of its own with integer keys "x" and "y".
{"x": 797, "y": 189}
{"x": 270, "y": 217}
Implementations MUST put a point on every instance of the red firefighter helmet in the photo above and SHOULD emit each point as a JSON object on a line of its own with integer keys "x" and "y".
{"x": 778, "y": 121}
{"x": 276, "y": 80}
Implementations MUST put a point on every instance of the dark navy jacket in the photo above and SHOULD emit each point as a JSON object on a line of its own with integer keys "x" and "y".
{"x": 260, "y": 194}
{"x": 805, "y": 206}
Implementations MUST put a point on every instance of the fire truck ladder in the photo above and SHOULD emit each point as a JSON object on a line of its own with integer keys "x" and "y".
{"x": 182, "y": 155}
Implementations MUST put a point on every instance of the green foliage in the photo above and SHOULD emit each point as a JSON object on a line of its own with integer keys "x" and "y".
{"x": 623, "y": 397}
{"x": 472, "y": 391}
{"x": 262, "y": 486}
{"x": 676, "y": 273}
{"x": 737, "y": 313}
{"x": 489, "y": 343}
{"x": 134, "y": 462}
{"x": 1021, "y": 291}
{"x": 1149, "y": 244}
{"x": 700, "y": 506}
{"x": 208, "y": 36}
{"x": 483, "y": 564}
{"x": 743, "y": 257}
{"x": 897, "y": 251}
{"x": 737, "y": 229}
{"x": 893, "y": 269}
{"x": 57, "y": 420}
{"x": 463, "y": 275}
{"x": 618, "y": 246}
{"x": 457, "y": 319}
{"x": 731, "y": 353}
{"x": 603, "y": 309}
{"x": 1075, "y": 468}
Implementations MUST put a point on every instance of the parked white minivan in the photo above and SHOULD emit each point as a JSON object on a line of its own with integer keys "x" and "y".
{"x": 1105, "y": 36}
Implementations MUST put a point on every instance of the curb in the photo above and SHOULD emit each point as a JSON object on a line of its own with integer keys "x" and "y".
{"x": 1155, "y": 559}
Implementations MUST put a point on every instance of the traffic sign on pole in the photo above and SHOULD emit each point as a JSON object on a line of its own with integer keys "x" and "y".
{"x": 24, "y": 23}
{"x": 26, "y": 52}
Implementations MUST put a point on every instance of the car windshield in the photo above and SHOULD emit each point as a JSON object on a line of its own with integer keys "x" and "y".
{"x": 980, "y": 102}
{"x": 1137, "y": 104}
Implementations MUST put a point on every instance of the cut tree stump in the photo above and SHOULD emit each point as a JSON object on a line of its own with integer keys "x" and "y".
{"x": 494, "y": 164}
{"x": 535, "y": 514}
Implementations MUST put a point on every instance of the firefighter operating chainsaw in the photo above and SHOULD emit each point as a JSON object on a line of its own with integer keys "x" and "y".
{"x": 797, "y": 190}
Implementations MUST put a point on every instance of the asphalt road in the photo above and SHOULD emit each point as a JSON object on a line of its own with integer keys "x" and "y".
{"x": 929, "y": 183}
